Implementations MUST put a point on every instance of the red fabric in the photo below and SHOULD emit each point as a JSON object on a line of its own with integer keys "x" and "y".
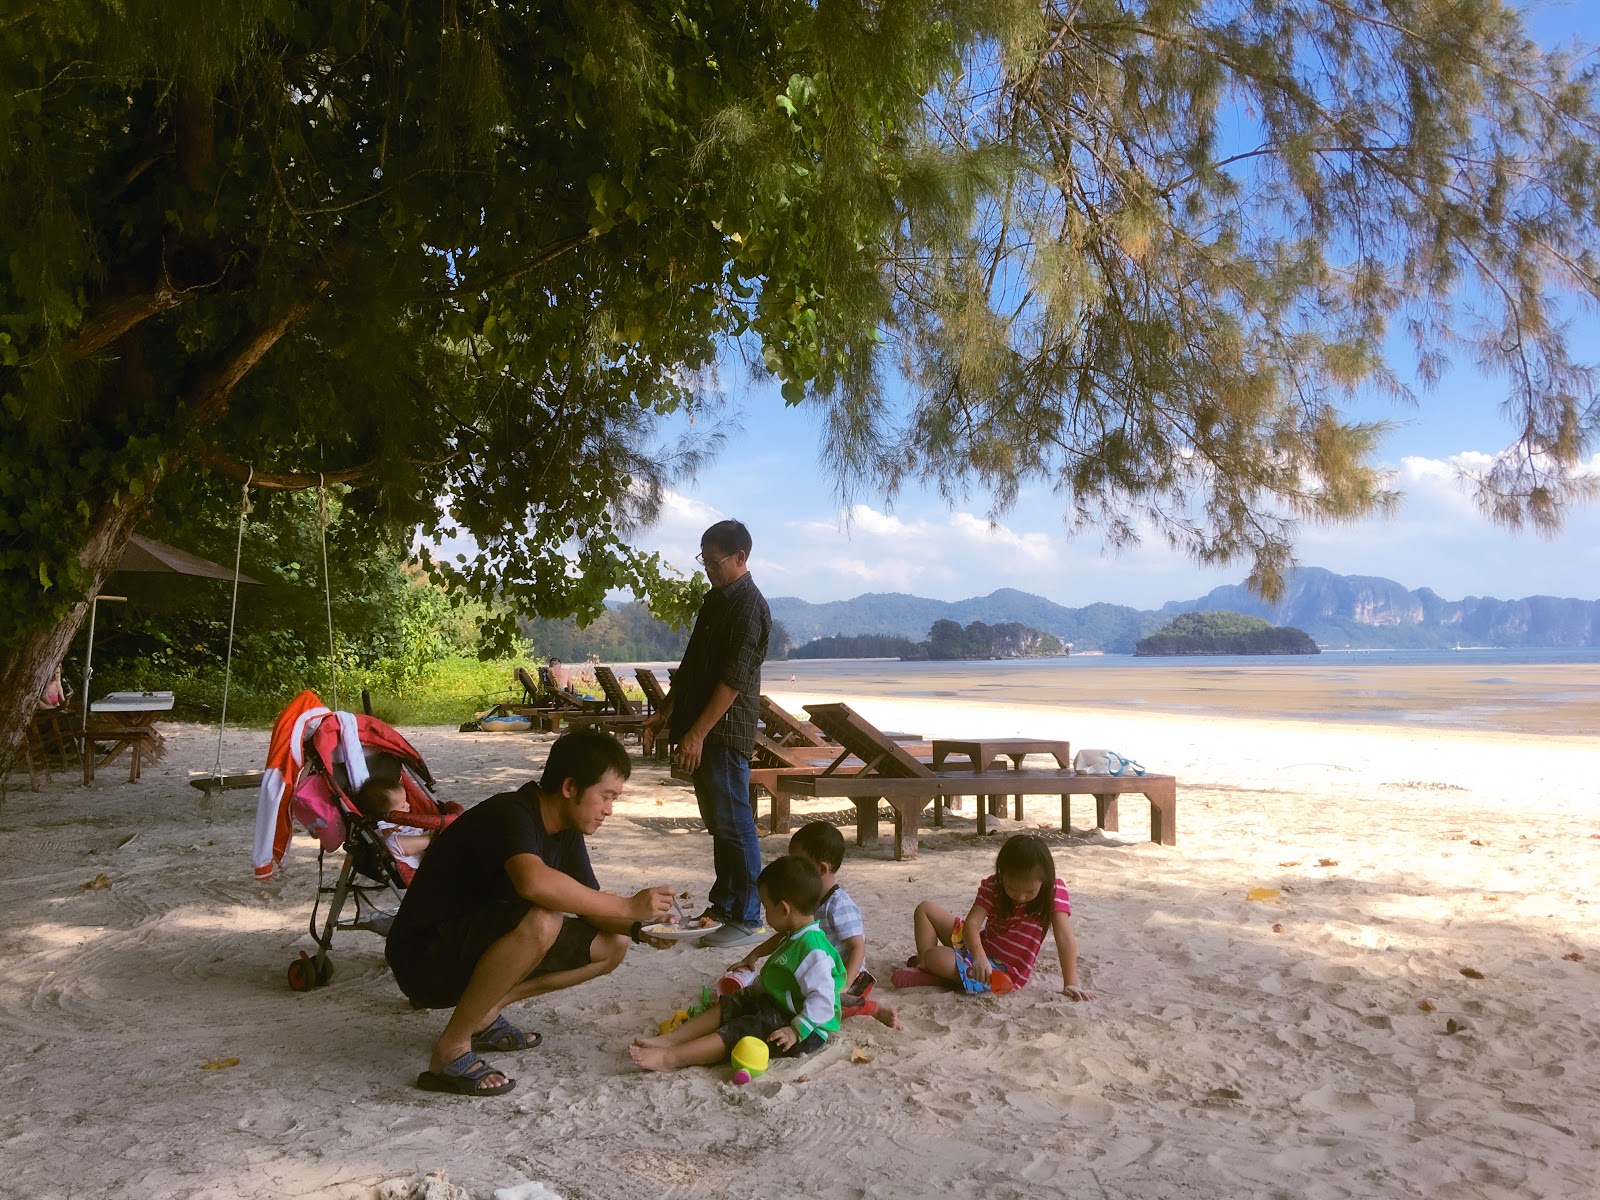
{"x": 273, "y": 825}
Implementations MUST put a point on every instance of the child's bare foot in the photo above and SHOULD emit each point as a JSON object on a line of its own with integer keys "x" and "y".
{"x": 651, "y": 1058}
{"x": 652, "y": 1043}
{"x": 887, "y": 1016}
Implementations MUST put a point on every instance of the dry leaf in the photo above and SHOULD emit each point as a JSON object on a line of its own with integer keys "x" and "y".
{"x": 96, "y": 884}
{"x": 1227, "y": 1093}
{"x": 1265, "y": 895}
{"x": 1277, "y": 927}
{"x": 1425, "y": 1005}
{"x": 1327, "y": 862}
{"x": 1476, "y": 842}
{"x": 858, "y": 1055}
{"x": 219, "y": 1064}
{"x": 1575, "y": 956}
{"x": 1472, "y": 972}
{"x": 1289, "y": 864}
{"x": 1453, "y": 1026}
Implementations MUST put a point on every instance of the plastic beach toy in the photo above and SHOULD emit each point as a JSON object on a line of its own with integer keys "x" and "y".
{"x": 750, "y": 1054}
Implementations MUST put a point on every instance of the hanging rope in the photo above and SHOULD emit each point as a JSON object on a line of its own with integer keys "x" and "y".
{"x": 233, "y": 611}
{"x": 327, "y": 587}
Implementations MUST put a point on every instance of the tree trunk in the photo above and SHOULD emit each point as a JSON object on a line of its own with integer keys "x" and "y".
{"x": 26, "y": 668}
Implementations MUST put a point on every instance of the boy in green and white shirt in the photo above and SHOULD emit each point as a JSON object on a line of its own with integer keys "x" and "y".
{"x": 794, "y": 1005}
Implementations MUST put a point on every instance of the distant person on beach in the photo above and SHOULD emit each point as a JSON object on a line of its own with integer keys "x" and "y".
{"x": 822, "y": 845}
{"x": 484, "y": 923}
{"x": 560, "y": 676}
{"x": 793, "y": 1006}
{"x": 55, "y": 692}
{"x": 995, "y": 947}
{"x": 710, "y": 715}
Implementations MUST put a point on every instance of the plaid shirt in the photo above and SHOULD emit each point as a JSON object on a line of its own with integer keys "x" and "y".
{"x": 728, "y": 645}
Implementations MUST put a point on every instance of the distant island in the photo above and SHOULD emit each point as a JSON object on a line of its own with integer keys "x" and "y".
{"x": 947, "y": 641}
{"x": 1220, "y": 631}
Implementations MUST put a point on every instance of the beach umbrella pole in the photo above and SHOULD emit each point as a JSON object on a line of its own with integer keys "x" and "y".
{"x": 88, "y": 655}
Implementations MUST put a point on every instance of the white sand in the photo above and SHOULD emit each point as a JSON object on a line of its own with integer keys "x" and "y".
{"x": 1223, "y": 1058}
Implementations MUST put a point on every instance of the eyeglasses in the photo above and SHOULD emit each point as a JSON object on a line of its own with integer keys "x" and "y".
{"x": 715, "y": 562}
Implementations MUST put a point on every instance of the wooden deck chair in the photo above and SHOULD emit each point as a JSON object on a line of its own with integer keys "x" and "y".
{"x": 617, "y": 700}
{"x": 655, "y": 700}
{"x": 892, "y": 774}
{"x": 783, "y": 727}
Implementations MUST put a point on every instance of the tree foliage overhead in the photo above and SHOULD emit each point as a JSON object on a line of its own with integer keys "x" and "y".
{"x": 461, "y": 256}
{"x": 1223, "y": 217}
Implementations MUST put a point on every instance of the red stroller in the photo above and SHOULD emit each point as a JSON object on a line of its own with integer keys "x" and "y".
{"x": 323, "y": 804}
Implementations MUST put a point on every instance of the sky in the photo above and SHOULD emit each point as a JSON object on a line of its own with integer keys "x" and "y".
{"x": 811, "y": 544}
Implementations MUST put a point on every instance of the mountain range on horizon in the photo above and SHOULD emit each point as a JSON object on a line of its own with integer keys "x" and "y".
{"x": 1338, "y": 611}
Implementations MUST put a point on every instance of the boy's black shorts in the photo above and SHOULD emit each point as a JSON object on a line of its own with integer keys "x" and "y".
{"x": 434, "y": 970}
{"x": 752, "y": 1012}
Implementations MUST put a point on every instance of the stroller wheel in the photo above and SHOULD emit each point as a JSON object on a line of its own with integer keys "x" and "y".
{"x": 300, "y": 975}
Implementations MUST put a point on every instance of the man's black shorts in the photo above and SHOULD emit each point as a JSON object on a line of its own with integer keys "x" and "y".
{"x": 434, "y": 970}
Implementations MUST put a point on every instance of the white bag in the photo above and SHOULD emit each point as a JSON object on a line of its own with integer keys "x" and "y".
{"x": 1104, "y": 762}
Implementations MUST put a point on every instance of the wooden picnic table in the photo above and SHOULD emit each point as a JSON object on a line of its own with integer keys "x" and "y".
{"x": 983, "y": 753}
{"x": 125, "y": 720}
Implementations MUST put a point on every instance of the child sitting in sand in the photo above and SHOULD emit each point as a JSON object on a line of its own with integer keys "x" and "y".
{"x": 822, "y": 844}
{"x": 1004, "y": 930}
{"x": 794, "y": 1005}
{"x": 381, "y": 796}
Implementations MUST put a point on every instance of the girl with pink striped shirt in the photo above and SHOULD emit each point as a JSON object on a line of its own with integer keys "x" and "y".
{"x": 998, "y": 941}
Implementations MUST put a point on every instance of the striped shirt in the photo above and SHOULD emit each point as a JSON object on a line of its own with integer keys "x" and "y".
{"x": 1017, "y": 939}
{"x": 839, "y": 917}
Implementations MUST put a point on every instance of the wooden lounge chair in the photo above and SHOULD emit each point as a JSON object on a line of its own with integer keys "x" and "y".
{"x": 909, "y": 785}
{"x": 783, "y": 727}
{"x": 771, "y": 762}
{"x": 617, "y": 713}
{"x": 655, "y": 700}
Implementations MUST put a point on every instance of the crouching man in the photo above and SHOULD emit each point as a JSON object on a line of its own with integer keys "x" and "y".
{"x": 482, "y": 925}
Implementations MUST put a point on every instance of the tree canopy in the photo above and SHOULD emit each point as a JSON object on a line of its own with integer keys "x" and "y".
{"x": 460, "y": 259}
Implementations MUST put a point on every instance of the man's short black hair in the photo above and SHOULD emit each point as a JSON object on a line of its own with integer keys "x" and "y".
{"x": 821, "y": 842}
{"x": 792, "y": 879}
{"x": 731, "y": 537}
{"x": 583, "y": 756}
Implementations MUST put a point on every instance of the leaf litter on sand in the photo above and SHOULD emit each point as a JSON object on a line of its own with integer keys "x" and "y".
{"x": 98, "y": 883}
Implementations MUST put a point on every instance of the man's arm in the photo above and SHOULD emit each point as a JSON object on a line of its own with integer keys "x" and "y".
{"x": 692, "y": 743}
{"x": 539, "y": 883}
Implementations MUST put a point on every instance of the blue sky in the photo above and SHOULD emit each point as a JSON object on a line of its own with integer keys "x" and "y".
{"x": 808, "y": 544}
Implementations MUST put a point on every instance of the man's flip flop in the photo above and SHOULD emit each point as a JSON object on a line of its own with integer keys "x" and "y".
{"x": 504, "y": 1037}
{"x": 461, "y": 1078}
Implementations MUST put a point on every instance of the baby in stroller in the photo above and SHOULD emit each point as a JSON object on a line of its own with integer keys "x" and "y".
{"x": 384, "y": 799}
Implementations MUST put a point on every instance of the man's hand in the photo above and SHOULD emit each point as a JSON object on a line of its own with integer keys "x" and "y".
{"x": 650, "y": 904}
{"x": 651, "y": 730}
{"x": 655, "y": 942}
{"x": 782, "y": 1039}
{"x": 689, "y": 749}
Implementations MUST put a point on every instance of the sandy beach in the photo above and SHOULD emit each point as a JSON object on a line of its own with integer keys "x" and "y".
{"x": 1415, "y": 1012}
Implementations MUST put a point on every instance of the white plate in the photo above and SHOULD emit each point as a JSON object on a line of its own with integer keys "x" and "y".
{"x": 676, "y": 933}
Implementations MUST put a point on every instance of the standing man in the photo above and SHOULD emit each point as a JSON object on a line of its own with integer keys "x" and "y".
{"x": 711, "y": 714}
{"x": 484, "y": 921}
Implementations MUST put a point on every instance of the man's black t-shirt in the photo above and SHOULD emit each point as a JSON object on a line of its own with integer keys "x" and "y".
{"x": 464, "y": 868}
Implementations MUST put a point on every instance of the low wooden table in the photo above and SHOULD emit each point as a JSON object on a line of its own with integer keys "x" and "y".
{"x": 124, "y": 719}
{"x": 983, "y": 753}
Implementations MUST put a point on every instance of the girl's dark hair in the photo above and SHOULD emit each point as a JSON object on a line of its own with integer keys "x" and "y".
{"x": 1024, "y": 855}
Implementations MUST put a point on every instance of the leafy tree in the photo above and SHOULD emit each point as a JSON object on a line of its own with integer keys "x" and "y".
{"x": 465, "y": 252}
{"x": 1220, "y": 216}
{"x": 1138, "y": 249}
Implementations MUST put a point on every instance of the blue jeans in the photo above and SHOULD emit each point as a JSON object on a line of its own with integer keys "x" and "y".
{"x": 722, "y": 786}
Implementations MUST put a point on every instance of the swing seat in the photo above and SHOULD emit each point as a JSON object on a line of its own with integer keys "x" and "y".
{"x": 227, "y": 783}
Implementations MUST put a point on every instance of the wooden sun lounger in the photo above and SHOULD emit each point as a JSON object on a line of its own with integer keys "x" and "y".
{"x": 909, "y": 785}
{"x": 655, "y": 700}
{"x": 783, "y": 727}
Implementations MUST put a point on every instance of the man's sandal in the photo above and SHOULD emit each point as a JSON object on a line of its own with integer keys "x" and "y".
{"x": 504, "y": 1037}
{"x": 461, "y": 1078}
